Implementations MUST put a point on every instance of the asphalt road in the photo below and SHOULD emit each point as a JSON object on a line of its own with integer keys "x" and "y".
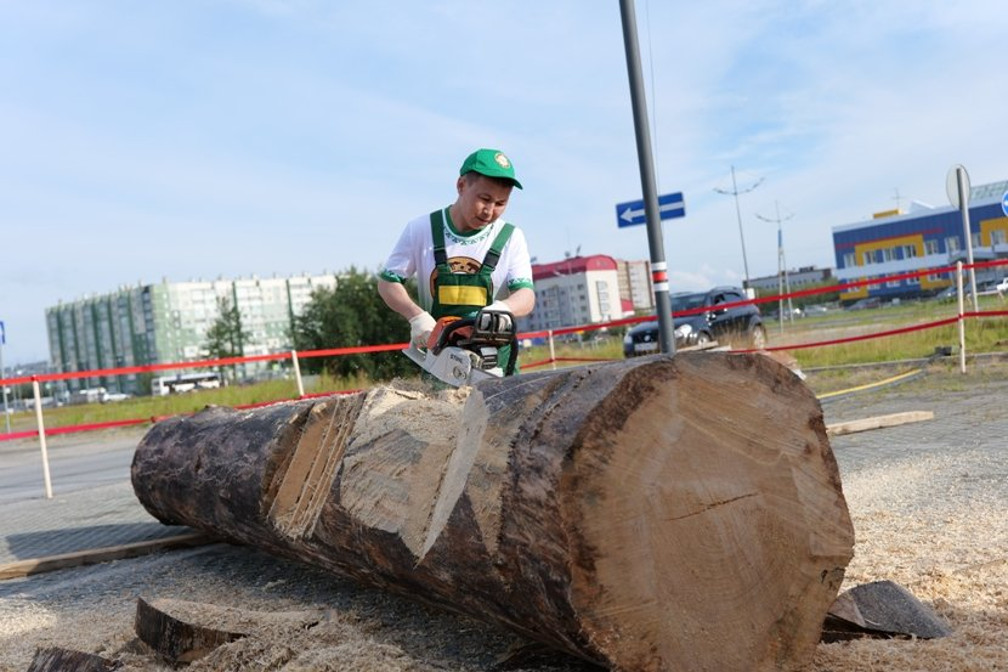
{"x": 76, "y": 462}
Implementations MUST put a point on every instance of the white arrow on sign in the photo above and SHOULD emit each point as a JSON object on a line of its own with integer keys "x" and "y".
{"x": 628, "y": 215}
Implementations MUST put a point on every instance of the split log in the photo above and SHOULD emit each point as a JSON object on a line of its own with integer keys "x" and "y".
{"x": 56, "y": 659}
{"x": 175, "y": 639}
{"x": 181, "y": 631}
{"x": 658, "y": 513}
{"x": 881, "y": 609}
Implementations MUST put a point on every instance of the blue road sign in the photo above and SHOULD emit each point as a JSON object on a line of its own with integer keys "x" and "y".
{"x": 631, "y": 213}
{"x": 3, "y": 334}
{"x": 1004, "y": 204}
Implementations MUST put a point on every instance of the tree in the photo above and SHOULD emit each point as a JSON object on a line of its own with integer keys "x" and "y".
{"x": 352, "y": 314}
{"x": 225, "y": 337}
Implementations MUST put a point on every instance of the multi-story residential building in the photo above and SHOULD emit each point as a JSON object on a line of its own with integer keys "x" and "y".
{"x": 636, "y": 288}
{"x": 168, "y": 322}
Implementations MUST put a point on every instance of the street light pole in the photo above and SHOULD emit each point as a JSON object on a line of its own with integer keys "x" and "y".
{"x": 738, "y": 213}
{"x": 783, "y": 285}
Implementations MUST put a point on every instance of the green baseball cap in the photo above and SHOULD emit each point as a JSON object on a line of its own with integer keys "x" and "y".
{"x": 492, "y": 163}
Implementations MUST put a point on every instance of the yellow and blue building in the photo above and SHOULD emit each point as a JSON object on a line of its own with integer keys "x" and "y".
{"x": 894, "y": 243}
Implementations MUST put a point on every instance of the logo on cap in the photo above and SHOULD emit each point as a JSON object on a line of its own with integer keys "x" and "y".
{"x": 502, "y": 160}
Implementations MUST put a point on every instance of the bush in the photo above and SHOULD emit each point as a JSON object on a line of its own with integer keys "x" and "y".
{"x": 352, "y": 314}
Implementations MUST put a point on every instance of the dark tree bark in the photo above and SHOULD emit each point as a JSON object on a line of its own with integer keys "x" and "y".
{"x": 177, "y": 640}
{"x": 655, "y": 514}
{"x": 55, "y": 659}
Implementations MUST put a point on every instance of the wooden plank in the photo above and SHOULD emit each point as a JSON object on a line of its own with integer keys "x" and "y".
{"x": 21, "y": 568}
{"x": 877, "y": 422}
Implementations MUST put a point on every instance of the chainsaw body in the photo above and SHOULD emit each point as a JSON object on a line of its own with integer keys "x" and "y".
{"x": 464, "y": 350}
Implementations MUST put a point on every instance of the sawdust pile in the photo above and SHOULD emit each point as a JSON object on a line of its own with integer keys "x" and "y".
{"x": 952, "y": 554}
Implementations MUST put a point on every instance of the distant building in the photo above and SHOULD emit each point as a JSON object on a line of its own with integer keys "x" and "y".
{"x": 580, "y": 290}
{"x": 588, "y": 290}
{"x": 636, "y": 288}
{"x": 796, "y": 278}
{"x": 925, "y": 238}
{"x": 168, "y": 322}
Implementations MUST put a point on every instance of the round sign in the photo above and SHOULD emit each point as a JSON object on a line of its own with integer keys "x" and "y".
{"x": 1004, "y": 204}
{"x": 952, "y": 184}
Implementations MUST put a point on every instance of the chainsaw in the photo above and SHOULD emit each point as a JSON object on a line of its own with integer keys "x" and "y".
{"x": 464, "y": 350}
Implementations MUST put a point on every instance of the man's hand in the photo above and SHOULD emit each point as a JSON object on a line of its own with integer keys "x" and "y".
{"x": 421, "y": 326}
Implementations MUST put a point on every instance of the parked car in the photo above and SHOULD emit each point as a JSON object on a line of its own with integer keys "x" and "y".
{"x": 947, "y": 294}
{"x": 864, "y": 304}
{"x": 742, "y": 322}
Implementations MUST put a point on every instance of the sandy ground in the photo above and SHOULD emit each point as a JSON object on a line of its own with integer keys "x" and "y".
{"x": 928, "y": 501}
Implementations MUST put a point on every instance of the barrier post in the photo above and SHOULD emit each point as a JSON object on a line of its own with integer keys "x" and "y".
{"x": 297, "y": 374}
{"x": 42, "y": 439}
{"x": 552, "y": 350}
{"x": 3, "y": 386}
{"x": 961, "y": 321}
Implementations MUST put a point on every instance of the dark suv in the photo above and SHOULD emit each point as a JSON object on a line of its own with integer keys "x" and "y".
{"x": 736, "y": 322}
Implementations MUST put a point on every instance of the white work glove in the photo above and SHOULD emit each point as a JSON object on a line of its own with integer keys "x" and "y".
{"x": 498, "y": 305}
{"x": 421, "y": 325}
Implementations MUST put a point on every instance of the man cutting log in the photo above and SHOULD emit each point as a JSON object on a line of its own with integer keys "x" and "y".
{"x": 465, "y": 257}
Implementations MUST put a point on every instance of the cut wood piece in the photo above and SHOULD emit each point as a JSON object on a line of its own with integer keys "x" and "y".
{"x": 877, "y": 422}
{"x": 174, "y": 639}
{"x": 93, "y": 556}
{"x": 659, "y": 513}
{"x": 881, "y": 609}
{"x": 56, "y": 659}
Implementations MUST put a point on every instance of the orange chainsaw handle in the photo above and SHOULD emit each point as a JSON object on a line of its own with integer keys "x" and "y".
{"x": 443, "y": 329}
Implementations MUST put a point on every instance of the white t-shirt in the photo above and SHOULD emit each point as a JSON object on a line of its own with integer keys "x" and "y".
{"x": 413, "y": 255}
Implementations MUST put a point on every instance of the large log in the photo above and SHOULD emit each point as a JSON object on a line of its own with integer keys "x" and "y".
{"x": 655, "y": 514}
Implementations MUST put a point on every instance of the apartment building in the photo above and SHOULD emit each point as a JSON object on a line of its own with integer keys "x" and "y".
{"x": 168, "y": 322}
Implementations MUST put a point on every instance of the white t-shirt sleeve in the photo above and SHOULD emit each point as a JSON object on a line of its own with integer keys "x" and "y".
{"x": 519, "y": 269}
{"x": 402, "y": 261}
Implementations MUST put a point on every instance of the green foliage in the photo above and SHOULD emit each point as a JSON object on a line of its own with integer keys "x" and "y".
{"x": 352, "y": 314}
{"x": 225, "y": 337}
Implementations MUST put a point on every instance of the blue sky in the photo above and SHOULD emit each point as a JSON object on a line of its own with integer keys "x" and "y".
{"x": 185, "y": 139}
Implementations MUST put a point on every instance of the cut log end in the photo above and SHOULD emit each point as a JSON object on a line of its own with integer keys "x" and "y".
{"x": 684, "y": 475}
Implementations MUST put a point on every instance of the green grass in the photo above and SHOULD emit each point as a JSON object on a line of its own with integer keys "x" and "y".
{"x": 179, "y": 404}
{"x": 982, "y": 334}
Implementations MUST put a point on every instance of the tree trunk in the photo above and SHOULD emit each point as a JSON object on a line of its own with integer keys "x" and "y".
{"x": 660, "y": 513}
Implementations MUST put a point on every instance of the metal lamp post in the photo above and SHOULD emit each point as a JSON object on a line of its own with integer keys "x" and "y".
{"x": 738, "y": 214}
{"x": 783, "y": 284}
